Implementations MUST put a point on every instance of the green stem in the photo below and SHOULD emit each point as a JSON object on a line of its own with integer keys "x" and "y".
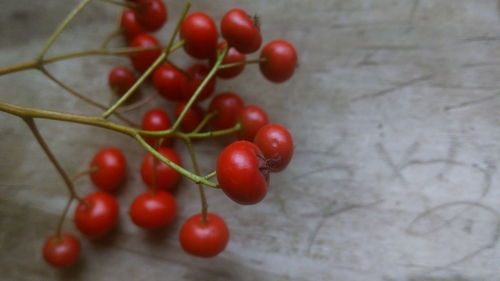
{"x": 63, "y": 216}
{"x": 229, "y": 65}
{"x": 205, "y": 120}
{"x": 120, "y": 3}
{"x": 80, "y": 174}
{"x": 110, "y": 37}
{"x": 210, "y": 134}
{"x": 211, "y": 175}
{"x": 203, "y": 198}
{"x": 60, "y": 28}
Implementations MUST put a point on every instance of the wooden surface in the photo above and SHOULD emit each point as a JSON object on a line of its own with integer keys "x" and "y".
{"x": 394, "y": 110}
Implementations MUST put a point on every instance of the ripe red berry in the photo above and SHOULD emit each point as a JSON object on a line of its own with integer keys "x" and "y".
{"x": 129, "y": 25}
{"x": 111, "y": 167}
{"x": 156, "y": 119}
{"x": 232, "y": 56}
{"x": 61, "y": 250}
{"x": 252, "y": 118}
{"x": 142, "y": 60}
{"x": 228, "y": 105}
{"x": 241, "y": 172}
{"x": 120, "y": 79}
{"x": 280, "y": 61}
{"x": 151, "y": 14}
{"x": 200, "y": 35}
{"x": 240, "y": 31}
{"x": 276, "y": 145}
{"x": 166, "y": 177}
{"x": 97, "y": 215}
{"x": 152, "y": 210}
{"x": 192, "y": 118}
{"x": 204, "y": 238}
{"x": 169, "y": 82}
{"x": 197, "y": 73}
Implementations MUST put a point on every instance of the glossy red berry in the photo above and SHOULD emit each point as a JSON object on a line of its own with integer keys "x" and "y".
{"x": 197, "y": 73}
{"x": 120, "y": 79}
{"x": 166, "y": 177}
{"x": 61, "y": 250}
{"x": 228, "y": 105}
{"x": 97, "y": 215}
{"x": 242, "y": 173}
{"x": 129, "y": 25}
{"x": 192, "y": 118}
{"x": 152, "y": 210}
{"x": 204, "y": 238}
{"x": 241, "y": 31}
{"x": 151, "y": 14}
{"x": 252, "y": 118}
{"x": 111, "y": 166}
{"x": 199, "y": 32}
{"x": 143, "y": 59}
{"x": 169, "y": 82}
{"x": 276, "y": 144}
{"x": 156, "y": 119}
{"x": 280, "y": 61}
{"x": 232, "y": 56}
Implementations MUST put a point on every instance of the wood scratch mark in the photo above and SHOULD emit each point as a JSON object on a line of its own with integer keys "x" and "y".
{"x": 471, "y": 103}
{"x": 393, "y": 89}
{"x": 388, "y": 160}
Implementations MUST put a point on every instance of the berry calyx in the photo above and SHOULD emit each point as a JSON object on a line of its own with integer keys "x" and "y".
{"x": 240, "y": 31}
{"x": 228, "y": 106}
{"x": 109, "y": 166}
{"x": 276, "y": 144}
{"x": 199, "y": 32}
{"x": 252, "y": 118}
{"x": 279, "y": 60}
{"x": 61, "y": 250}
{"x": 152, "y": 210}
{"x": 204, "y": 238}
{"x": 97, "y": 214}
{"x": 166, "y": 177}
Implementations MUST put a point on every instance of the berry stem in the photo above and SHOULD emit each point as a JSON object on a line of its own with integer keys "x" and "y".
{"x": 120, "y": 3}
{"x": 109, "y": 37}
{"x": 63, "y": 216}
{"x": 211, "y": 175}
{"x": 137, "y": 104}
{"x": 205, "y": 120}
{"x": 83, "y": 173}
{"x": 34, "y": 130}
{"x": 210, "y": 134}
{"x": 203, "y": 198}
{"x": 55, "y": 34}
{"x": 229, "y": 65}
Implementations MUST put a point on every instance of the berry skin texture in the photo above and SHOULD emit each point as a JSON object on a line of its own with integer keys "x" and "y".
{"x": 142, "y": 60}
{"x": 276, "y": 144}
{"x": 232, "y": 56}
{"x": 153, "y": 210}
{"x": 156, "y": 119}
{"x": 204, "y": 239}
{"x": 169, "y": 82}
{"x": 252, "y": 118}
{"x": 151, "y": 14}
{"x": 197, "y": 73}
{"x": 129, "y": 25}
{"x": 240, "y": 31}
{"x": 280, "y": 61}
{"x": 111, "y": 168}
{"x": 61, "y": 251}
{"x": 242, "y": 174}
{"x": 120, "y": 79}
{"x": 200, "y": 34}
{"x": 192, "y": 118}
{"x": 98, "y": 215}
{"x": 229, "y": 106}
{"x": 166, "y": 177}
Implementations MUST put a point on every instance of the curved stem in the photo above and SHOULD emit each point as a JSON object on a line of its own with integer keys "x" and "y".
{"x": 203, "y": 198}
{"x": 61, "y": 27}
{"x": 63, "y": 216}
{"x": 205, "y": 120}
{"x": 110, "y": 37}
{"x": 137, "y": 104}
{"x": 229, "y": 65}
{"x": 83, "y": 173}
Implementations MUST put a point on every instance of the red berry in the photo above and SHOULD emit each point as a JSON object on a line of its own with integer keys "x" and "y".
{"x": 197, "y": 73}
{"x": 276, "y": 145}
{"x": 142, "y": 60}
{"x": 61, "y": 250}
{"x": 232, "y": 56}
{"x": 169, "y": 82}
{"x": 228, "y": 105}
{"x": 240, "y": 31}
{"x": 120, "y": 79}
{"x": 252, "y": 118}
{"x": 111, "y": 167}
{"x": 166, "y": 177}
{"x": 129, "y": 24}
{"x": 152, "y": 210}
{"x": 97, "y": 215}
{"x": 151, "y": 14}
{"x": 192, "y": 118}
{"x": 156, "y": 120}
{"x": 280, "y": 61}
{"x": 204, "y": 238}
{"x": 242, "y": 174}
{"x": 199, "y": 32}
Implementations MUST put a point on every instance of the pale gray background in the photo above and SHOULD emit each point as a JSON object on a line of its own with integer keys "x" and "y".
{"x": 394, "y": 110}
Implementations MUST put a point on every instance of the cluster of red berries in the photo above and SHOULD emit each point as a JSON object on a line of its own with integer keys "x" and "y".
{"x": 243, "y": 167}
